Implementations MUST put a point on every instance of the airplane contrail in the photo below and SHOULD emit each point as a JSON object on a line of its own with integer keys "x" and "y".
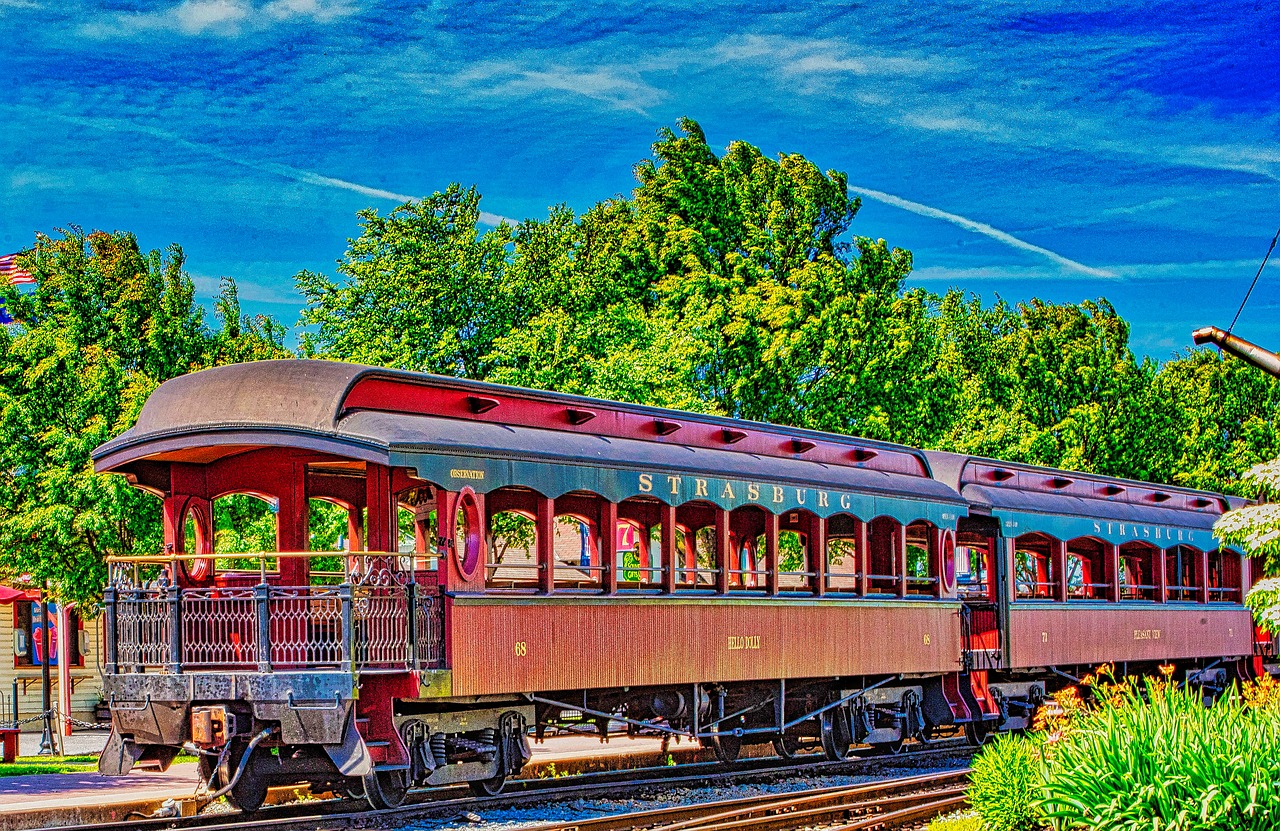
{"x": 978, "y": 228}
{"x": 285, "y": 171}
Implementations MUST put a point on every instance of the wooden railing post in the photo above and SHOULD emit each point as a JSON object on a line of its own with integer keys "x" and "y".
{"x": 771, "y": 552}
{"x": 607, "y": 545}
{"x": 818, "y": 554}
{"x": 668, "y": 547}
{"x": 722, "y": 551}
{"x": 545, "y": 524}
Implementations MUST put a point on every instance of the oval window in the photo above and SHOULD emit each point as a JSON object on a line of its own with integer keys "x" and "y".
{"x": 194, "y": 542}
{"x": 949, "y": 560}
{"x": 466, "y": 534}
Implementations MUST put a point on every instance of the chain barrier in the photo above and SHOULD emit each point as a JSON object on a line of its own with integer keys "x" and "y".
{"x": 58, "y": 718}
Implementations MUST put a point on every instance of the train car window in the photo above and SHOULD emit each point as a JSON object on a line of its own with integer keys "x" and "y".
{"x": 1033, "y": 567}
{"x": 922, "y": 560}
{"x": 1086, "y": 570}
{"x": 577, "y": 557}
{"x": 843, "y": 561}
{"x": 406, "y": 539}
{"x": 704, "y": 541}
{"x": 1180, "y": 572}
{"x": 686, "y": 562}
{"x": 884, "y": 573}
{"x": 639, "y": 560}
{"x": 746, "y": 550}
{"x": 971, "y": 570}
{"x": 1224, "y": 576}
{"x": 793, "y": 558}
{"x": 1138, "y": 571}
{"x": 511, "y": 560}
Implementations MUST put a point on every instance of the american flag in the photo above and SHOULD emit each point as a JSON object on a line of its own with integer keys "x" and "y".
{"x": 10, "y": 271}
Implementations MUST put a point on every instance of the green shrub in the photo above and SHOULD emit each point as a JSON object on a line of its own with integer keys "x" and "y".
{"x": 1005, "y": 784}
{"x": 1152, "y": 756}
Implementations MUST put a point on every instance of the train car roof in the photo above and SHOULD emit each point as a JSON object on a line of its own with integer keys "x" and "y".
{"x": 454, "y": 428}
{"x": 1068, "y": 504}
{"x": 487, "y": 435}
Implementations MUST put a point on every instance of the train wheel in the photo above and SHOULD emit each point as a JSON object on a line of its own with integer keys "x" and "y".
{"x": 386, "y": 788}
{"x": 893, "y": 748}
{"x": 727, "y": 746}
{"x": 250, "y": 790}
{"x": 488, "y": 787}
{"x": 786, "y": 745}
{"x": 977, "y": 733}
{"x": 836, "y": 740}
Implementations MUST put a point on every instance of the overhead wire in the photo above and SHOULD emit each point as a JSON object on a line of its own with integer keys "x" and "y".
{"x": 1255, "y": 280}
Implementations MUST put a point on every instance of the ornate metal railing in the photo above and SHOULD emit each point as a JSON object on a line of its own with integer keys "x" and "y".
{"x": 377, "y": 619}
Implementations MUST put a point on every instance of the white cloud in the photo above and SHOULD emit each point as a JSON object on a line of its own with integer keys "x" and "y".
{"x": 821, "y": 56}
{"x": 195, "y": 17}
{"x": 218, "y": 18}
{"x": 617, "y": 86}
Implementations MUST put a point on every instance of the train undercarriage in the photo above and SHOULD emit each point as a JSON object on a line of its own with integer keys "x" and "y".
{"x": 281, "y": 729}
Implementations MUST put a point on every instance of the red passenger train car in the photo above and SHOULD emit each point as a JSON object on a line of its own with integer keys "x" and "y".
{"x": 785, "y": 586}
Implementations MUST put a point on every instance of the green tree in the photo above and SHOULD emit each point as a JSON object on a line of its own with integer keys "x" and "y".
{"x": 105, "y": 324}
{"x": 731, "y": 283}
{"x": 423, "y": 290}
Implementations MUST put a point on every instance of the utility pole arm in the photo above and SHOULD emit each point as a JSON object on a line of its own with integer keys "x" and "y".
{"x": 1268, "y": 362}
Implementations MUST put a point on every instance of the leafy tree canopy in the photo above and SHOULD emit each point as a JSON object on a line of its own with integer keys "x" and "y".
{"x": 731, "y": 283}
{"x": 105, "y": 324}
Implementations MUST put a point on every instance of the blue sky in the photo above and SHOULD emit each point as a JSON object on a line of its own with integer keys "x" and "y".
{"x": 1057, "y": 150}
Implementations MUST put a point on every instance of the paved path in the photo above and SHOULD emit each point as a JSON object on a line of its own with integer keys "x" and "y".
{"x": 59, "y": 790}
{"x": 83, "y": 741}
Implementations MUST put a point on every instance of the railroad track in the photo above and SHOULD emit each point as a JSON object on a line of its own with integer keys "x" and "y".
{"x": 873, "y": 805}
{"x": 333, "y": 814}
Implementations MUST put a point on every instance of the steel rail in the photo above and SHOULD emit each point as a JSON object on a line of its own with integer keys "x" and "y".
{"x": 779, "y": 810}
{"x": 342, "y": 813}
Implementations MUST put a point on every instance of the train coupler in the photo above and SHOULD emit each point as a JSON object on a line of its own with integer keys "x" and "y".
{"x": 211, "y": 726}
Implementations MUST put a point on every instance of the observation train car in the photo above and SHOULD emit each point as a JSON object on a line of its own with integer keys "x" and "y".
{"x": 789, "y": 587}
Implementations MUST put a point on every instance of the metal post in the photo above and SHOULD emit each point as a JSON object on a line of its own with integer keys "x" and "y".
{"x": 15, "y": 703}
{"x": 348, "y": 619}
{"x": 46, "y": 738}
{"x": 412, "y": 593}
{"x": 174, "y": 599}
{"x": 262, "y": 602}
{"x": 113, "y": 648}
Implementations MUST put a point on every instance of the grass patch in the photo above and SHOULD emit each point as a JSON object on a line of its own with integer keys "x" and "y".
{"x": 28, "y": 765}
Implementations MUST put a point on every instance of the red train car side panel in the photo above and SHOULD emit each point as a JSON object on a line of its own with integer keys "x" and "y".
{"x": 524, "y": 645}
{"x": 1046, "y": 634}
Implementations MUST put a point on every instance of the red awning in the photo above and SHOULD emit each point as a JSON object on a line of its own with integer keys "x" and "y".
{"x": 8, "y": 595}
